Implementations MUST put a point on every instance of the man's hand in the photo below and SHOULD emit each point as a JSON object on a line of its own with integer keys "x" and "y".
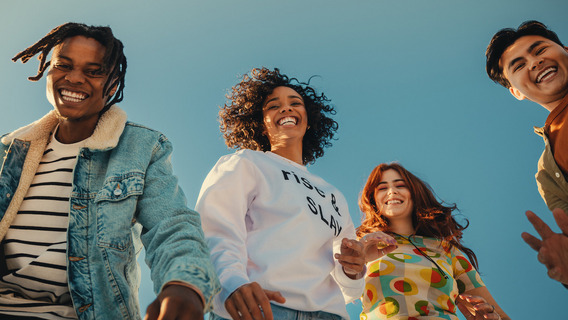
{"x": 372, "y": 241}
{"x": 175, "y": 302}
{"x": 553, "y": 248}
{"x": 251, "y": 302}
{"x": 352, "y": 258}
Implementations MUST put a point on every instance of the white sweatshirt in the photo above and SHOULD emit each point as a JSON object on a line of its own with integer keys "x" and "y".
{"x": 267, "y": 219}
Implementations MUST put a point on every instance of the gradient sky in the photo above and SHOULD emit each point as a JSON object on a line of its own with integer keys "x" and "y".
{"x": 407, "y": 79}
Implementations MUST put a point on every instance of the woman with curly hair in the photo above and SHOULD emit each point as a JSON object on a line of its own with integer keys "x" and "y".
{"x": 281, "y": 237}
{"x": 430, "y": 270}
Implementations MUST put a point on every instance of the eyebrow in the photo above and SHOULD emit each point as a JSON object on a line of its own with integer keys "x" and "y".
{"x": 89, "y": 63}
{"x": 529, "y": 51}
{"x": 385, "y": 182}
{"x": 277, "y": 98}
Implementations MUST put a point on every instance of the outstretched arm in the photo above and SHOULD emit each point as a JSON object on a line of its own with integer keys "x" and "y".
{"x": 553, "y": 248}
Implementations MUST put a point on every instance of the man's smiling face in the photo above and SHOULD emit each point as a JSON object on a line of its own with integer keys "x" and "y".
{"x": 537, "y": 69}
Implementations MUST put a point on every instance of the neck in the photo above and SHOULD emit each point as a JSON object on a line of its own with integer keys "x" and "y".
{"x": 550, "y": 106}
{"x": 72, "y": 132}
{"x": 290, "y": 153}
{"x": 402, "y": 227}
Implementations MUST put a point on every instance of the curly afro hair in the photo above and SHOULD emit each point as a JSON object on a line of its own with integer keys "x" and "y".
{"x": 242, "y": 121}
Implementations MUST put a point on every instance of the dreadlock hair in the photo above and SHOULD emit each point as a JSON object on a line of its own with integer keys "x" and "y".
{"x": 430, "y": 217}
{"x": 242, "y": 123}
{"x": 114, "y": 61}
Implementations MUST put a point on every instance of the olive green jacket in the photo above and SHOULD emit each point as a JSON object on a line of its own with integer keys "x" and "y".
{"x": 551, "y": 182}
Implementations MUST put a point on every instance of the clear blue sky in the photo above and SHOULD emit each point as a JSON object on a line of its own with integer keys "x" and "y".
{"x": 407, "y": 79}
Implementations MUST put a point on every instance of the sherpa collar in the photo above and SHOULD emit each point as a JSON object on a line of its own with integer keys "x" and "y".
{"x": 106, "y": 134}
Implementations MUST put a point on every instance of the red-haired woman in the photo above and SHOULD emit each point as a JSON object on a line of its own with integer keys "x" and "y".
{"x": 431, "y": 270}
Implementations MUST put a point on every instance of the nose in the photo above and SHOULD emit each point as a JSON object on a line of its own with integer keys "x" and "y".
{"x": 536, "y": 63}
{"x": 285, "y": 108}
{"x": 391, "y": 190}
{"x": 75, "y": 76}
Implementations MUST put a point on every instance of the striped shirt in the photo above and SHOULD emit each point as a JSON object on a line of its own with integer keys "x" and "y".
{"x": 35, "y": 245}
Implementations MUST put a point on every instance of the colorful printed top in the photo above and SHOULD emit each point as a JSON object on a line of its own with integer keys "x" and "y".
{"x": 406, "y": 285}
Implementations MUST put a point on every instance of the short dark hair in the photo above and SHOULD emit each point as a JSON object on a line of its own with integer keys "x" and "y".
{"x": 241, "y": 118}
{"x": 114, "y": 61}
{"x": 505, "y": 38}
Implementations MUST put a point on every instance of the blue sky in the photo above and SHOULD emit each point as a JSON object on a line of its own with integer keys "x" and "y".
{"x": 407, "y": 79}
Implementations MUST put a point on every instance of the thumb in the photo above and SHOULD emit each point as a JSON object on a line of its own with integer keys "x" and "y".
{"x": 275, "y": 296}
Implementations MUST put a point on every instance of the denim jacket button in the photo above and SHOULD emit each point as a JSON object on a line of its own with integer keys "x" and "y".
{"x": 117, "y": 192}
{"x": 8, "y": 195}
{"x": 557, "y": 174}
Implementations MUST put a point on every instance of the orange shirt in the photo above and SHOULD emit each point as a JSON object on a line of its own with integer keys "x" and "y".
{"x": 558, "y": 134}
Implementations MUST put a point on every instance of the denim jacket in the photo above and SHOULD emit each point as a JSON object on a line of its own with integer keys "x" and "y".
{"x": 550, "y": 180}
{"x": 124, "y": 196}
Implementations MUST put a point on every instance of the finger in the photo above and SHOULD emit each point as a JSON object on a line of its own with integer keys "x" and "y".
{"x": 546, "y": 258}
{"x": 532, "y": 241}
{"x": 561, "y": 220}
{"x": 464, "y": 309}
{"x": 275, "y": 296}
{"x": 351, "y": 245}
{"x": 473, "y": 300}
{"x": 231, "y": 308}
{"x": 346, "y": 259}
{"x": 241, "y": 306}
{"x": 542, "y": 228}
{"x": 380, "y": 237}
{"x": 484, "y": 308}
{"x": 264, "y": 303}
{"x": 254, "y": 296}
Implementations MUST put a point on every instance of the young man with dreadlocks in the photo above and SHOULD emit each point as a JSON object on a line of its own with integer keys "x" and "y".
{"x": 82, "y": 189}
{"x": 532, "y": 63}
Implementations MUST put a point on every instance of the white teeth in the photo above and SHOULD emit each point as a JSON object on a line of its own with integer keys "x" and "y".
{"x": 545, "y": 74}
{"x": 287, "y": 120}
{"x": 394, "y": 202}
{"x": 72, "y": 96}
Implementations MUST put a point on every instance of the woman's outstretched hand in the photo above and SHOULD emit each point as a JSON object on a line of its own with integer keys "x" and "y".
{"x": 372, "y": 241}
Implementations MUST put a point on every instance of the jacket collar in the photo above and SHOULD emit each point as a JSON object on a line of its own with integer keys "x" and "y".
{"x": 106, "y": 134}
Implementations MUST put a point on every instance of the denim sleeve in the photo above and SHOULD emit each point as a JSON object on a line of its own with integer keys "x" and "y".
{"x": 172, "y": 234}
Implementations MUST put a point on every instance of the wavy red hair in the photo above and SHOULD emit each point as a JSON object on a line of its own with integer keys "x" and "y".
{"x": 430, "y": 217}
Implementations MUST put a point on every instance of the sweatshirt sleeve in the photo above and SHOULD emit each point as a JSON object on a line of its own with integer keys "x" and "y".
{"x": 223, "y": 203}
{"x": 351, "y": 289}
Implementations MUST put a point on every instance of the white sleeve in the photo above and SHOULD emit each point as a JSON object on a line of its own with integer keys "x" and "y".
{"x": 223, "y": 202}
{"x": 351, "y": 289}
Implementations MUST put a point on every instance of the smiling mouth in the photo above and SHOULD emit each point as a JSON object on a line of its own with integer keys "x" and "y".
{"x": 288, "y": 121}
{"x": 393, "y": 202}
{"x": 546, "y": 74}
{"x": 72, "y": 96}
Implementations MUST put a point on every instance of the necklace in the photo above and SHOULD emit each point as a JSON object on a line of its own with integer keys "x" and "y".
{"x": 424, "y": 255}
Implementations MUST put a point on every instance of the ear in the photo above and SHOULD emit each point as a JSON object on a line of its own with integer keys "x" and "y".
{"x": 516, "y": 93}
{"x": 113, "y": 91}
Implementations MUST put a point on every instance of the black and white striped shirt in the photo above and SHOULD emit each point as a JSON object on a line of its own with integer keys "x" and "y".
{"x": 35, "y": 245}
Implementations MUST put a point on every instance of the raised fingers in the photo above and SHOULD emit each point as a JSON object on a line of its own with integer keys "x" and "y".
{"x": 542, "y": 228}
{"x": 532, "y": 241}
